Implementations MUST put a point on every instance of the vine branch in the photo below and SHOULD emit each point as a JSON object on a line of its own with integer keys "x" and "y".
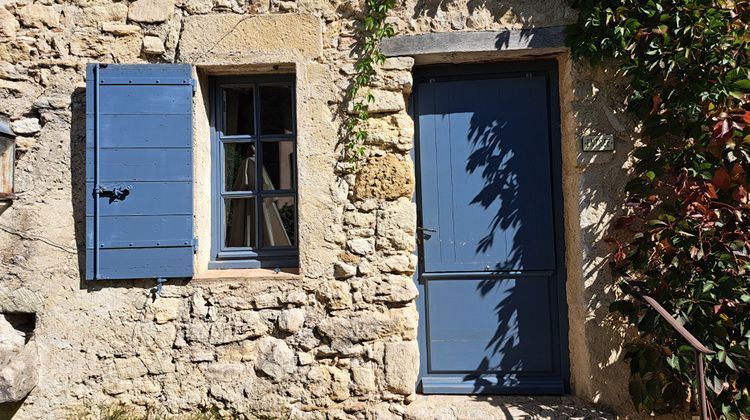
{"x": 375, "y": 29}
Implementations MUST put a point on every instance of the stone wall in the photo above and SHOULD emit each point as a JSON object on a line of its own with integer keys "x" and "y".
{"x": 337, "y": 339}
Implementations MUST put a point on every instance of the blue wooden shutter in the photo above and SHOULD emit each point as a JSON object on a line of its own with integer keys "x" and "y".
{"x": 139, "y": 171}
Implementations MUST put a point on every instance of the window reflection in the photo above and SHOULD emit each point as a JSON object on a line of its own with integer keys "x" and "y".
{"x": 239, "y": 169}
{"x": 276, "y": 110}
{"x": 278, "y": 221}
{"x": 240, "y": 222}
{"x": 239, "y": 111}
{"x": 277, "y": 165}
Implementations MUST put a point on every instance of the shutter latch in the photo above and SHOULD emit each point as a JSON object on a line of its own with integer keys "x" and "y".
{"x": 194, "y": 84}
{"x": 118, "y": 192}
{"x": 195, "y": 245}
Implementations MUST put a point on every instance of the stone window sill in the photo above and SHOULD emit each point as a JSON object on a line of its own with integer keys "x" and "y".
{"x": 248, "y": 274}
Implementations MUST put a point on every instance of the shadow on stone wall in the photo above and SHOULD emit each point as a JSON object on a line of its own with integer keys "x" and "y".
{"x": 430, "y": 8}
{"x": 483, "y": 14}
{"x": 598, "y": 101}
{"x": 78, "y": 186}
{"x": 78, "y": 175}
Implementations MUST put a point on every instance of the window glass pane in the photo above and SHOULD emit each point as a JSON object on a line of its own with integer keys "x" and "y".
{"x": 276, "y": 110}
{"x": 279, "y": 221}
{"x": 240, "y": 222}
{"x": 239, "y": 166}
{"x": 278, "y": 164}
{"x": 239, "y": 111}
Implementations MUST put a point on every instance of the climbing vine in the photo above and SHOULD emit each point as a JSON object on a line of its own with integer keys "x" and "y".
{"x": 374, "y": 29}
{"x": 684, "y": 235}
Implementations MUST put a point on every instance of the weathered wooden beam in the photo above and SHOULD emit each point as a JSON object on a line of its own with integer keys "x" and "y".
{"x": 463, "y": 42}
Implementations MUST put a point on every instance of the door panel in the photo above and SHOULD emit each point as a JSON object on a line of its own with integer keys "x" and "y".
{"x": 486, "y": 189}
{"x": 491, "y": 274}
{"x": 461, "y": 320}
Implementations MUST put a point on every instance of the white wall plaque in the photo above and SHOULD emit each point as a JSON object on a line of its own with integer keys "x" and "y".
{"x": 598, "y": 143}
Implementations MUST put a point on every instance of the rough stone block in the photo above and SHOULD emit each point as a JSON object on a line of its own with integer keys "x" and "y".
{"x": 198, "y": 7}
{"x": 343, "y": 270}
{"x": 335, "y": 295}
{"x": 26, "y": 126}
{"x": 130, "y": 368}
{"x": 166, "y": 309}
{"x": 218, "y": 35}
{"x": 364, "y": 380}
{"x": 275, "y": 358}
{"x": 305, "y": 359}
{"x": 158, "y": 363}
{"x": 340, "y": 381}
{"x": 120, "y": 29}
{"x": 150, "y": 11}
{"x": 397, "y": 264}
{"x": 19, "y": 373}
{"x": 398, "y": 63}
{"x": 386, "y": 101}
{"x": 126, "y": 48}
{"x": 8, "y": 23}
{"x": 394, "y": 130}
{"x": 224, "y": 371}
{"x": 10, "y": 336}
{"x": 267, "y": 301}
{"x": 401, "y": 366}
{"x": 94, "y": 13}
{"x": 386, "y": 177}
{"x": 37, "y": 15}
{"x": 363, "y": 326}
{"x": 291, "y": 320}
{"x": 152, "y": 45}
{"x": 361, "y": 246}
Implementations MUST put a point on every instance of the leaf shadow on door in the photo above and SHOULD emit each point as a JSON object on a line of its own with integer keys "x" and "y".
{"x": 503, "y": 172}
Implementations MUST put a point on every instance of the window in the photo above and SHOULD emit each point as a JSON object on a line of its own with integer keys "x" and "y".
{"x": 254, "y": 168}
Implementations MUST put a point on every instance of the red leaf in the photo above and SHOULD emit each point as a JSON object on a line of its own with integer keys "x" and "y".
{"x": 711, "y": 191}
{"x": 721, "y": 179}
{"x": 721, "y": 129}
{"x": 717, "y": 308}
{"x": 740, "y": 195}
{"x": 656, "y": 100}
{"x": 746, "y": 117}
{"x": 738, "y": 173}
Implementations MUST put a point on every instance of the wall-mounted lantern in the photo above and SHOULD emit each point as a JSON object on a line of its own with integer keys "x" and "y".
{"x": 7, "y": 160}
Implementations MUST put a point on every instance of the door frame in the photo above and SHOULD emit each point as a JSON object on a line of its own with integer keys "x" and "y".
{"x": 435, "y": 383}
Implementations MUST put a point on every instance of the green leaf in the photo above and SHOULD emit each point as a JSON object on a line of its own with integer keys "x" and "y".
{"x": 742, "y": 85}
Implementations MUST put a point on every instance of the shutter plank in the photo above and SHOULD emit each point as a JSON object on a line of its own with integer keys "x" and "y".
{"x": 145, "y": 199}
{"x": 138, "y": 229}
{"x": 143, "y": 165}
{"x": 141, "y": 263}
{"x": 145, "y": 99}
{"x": 139, "y": 131}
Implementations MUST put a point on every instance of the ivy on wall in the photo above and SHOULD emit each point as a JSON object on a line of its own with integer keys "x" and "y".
{"x": 685, "y": 229}
{"x": 374, "y": 29}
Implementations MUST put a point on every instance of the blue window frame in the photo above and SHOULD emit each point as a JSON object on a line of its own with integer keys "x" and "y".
{"x": 254, "y": 168}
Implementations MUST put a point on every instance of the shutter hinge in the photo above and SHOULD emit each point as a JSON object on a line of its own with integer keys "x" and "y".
{"x": 195, "y": 245}
{"x": 194, "y": 84}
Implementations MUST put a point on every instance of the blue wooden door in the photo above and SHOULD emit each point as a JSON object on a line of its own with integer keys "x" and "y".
{"x": 492, "y": 273}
